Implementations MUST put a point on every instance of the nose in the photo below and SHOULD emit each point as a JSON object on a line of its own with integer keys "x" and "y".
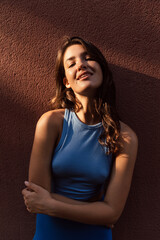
{"x": 81, "y": 65}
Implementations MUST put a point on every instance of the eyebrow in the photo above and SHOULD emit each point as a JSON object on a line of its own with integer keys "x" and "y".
{"x": 82, "y": 54}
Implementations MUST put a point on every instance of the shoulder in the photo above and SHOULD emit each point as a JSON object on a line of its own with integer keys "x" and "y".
{"x": 129, "y": 139}
{"x": 52, "y": 117}
{"x": 128, "y": 134}
{"x": 51, "y": 120}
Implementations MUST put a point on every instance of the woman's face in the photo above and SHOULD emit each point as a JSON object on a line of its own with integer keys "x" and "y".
{"x": 82, "y": 73}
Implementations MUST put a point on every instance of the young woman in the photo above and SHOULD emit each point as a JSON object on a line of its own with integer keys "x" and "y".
{"x": 83, "y": 156}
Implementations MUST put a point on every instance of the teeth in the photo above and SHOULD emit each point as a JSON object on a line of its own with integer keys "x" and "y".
{"x": 84, "y": 75}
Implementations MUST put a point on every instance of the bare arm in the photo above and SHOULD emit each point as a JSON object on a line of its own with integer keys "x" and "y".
{"x": 76, "y": 202}
{"x": 101, "y": 213}
{"x": 45, "y": 139}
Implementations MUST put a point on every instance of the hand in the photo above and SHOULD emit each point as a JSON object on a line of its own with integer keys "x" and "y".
{"x": 36, "y": 198}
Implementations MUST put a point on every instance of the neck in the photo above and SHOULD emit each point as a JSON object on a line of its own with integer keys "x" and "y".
{"x": 87, "y": 112}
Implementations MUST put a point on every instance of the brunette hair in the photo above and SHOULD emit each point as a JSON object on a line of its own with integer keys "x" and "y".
{"x": 104, "y": 100}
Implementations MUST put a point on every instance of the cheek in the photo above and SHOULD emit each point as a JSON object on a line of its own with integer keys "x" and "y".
{"x": 96, "y": 66}
{"x": 69, "y": 74}
{"x": 100, "y": 74}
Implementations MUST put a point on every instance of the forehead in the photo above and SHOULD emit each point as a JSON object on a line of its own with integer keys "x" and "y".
{"x": 73, "y": 51}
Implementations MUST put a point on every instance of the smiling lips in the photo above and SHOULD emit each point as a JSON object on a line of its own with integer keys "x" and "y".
{"x": 84, "y": 75}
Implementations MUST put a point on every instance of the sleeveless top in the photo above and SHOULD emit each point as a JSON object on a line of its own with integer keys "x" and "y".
{"x": 80, "y": 165}
{"x": 80, "y": 169}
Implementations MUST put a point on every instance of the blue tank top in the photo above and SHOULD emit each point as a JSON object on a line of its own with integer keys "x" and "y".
{"x": 80, "y": 165}
{"x": 80, "y": 169}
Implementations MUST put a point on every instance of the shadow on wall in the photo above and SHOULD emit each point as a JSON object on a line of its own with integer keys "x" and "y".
{"x": 137, "y": 101}
{"x": 131, "y": 42}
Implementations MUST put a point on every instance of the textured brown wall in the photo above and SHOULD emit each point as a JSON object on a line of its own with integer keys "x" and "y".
{"x": 128, "y": 34}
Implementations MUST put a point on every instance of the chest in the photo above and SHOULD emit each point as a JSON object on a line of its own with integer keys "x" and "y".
{"x": 82, "y": 157}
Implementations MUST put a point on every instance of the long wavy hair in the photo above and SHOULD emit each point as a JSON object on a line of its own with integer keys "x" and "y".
{"x": 104, "y": 101}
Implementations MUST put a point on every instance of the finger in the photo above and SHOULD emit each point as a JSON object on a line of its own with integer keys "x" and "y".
{"x": 28, "y": 209}
{"x": 24, "y": 191}
{"x": 32, "y": 186}
{"x": 26, "y": 203}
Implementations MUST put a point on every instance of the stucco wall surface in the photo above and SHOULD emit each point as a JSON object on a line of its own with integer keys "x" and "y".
{"x": 128, "y": 34}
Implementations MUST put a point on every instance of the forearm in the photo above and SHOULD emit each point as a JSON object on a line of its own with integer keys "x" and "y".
{"x": 39, "y": 200}
{"x": 96, "y": 213}
{"x": 64, "y": 199}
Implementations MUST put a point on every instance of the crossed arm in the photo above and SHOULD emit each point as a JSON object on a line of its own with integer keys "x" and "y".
{"x": 38, "y": 198}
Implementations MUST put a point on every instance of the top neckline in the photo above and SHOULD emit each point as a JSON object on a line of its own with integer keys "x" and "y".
{"x": 97, "y": 125}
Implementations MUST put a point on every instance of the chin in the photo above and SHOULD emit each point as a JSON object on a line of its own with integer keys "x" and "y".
{"x": 88, "y": 92}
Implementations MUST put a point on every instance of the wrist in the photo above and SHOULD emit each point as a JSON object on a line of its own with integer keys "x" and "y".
{"x": 51, "y": 207}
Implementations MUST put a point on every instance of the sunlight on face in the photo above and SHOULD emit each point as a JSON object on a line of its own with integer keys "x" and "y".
{"x": 82, "y": 73}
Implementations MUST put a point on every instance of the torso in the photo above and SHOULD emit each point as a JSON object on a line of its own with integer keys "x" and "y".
{"x": 79, "y": 161}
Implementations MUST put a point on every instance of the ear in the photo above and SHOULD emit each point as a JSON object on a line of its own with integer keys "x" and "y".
{"x": 66, "y": 83}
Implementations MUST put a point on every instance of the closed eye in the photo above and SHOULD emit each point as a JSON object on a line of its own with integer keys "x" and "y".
{"x": 71, "y": 65}
{"x": 91, "y": 59}
{"x": 88, "y": 58}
